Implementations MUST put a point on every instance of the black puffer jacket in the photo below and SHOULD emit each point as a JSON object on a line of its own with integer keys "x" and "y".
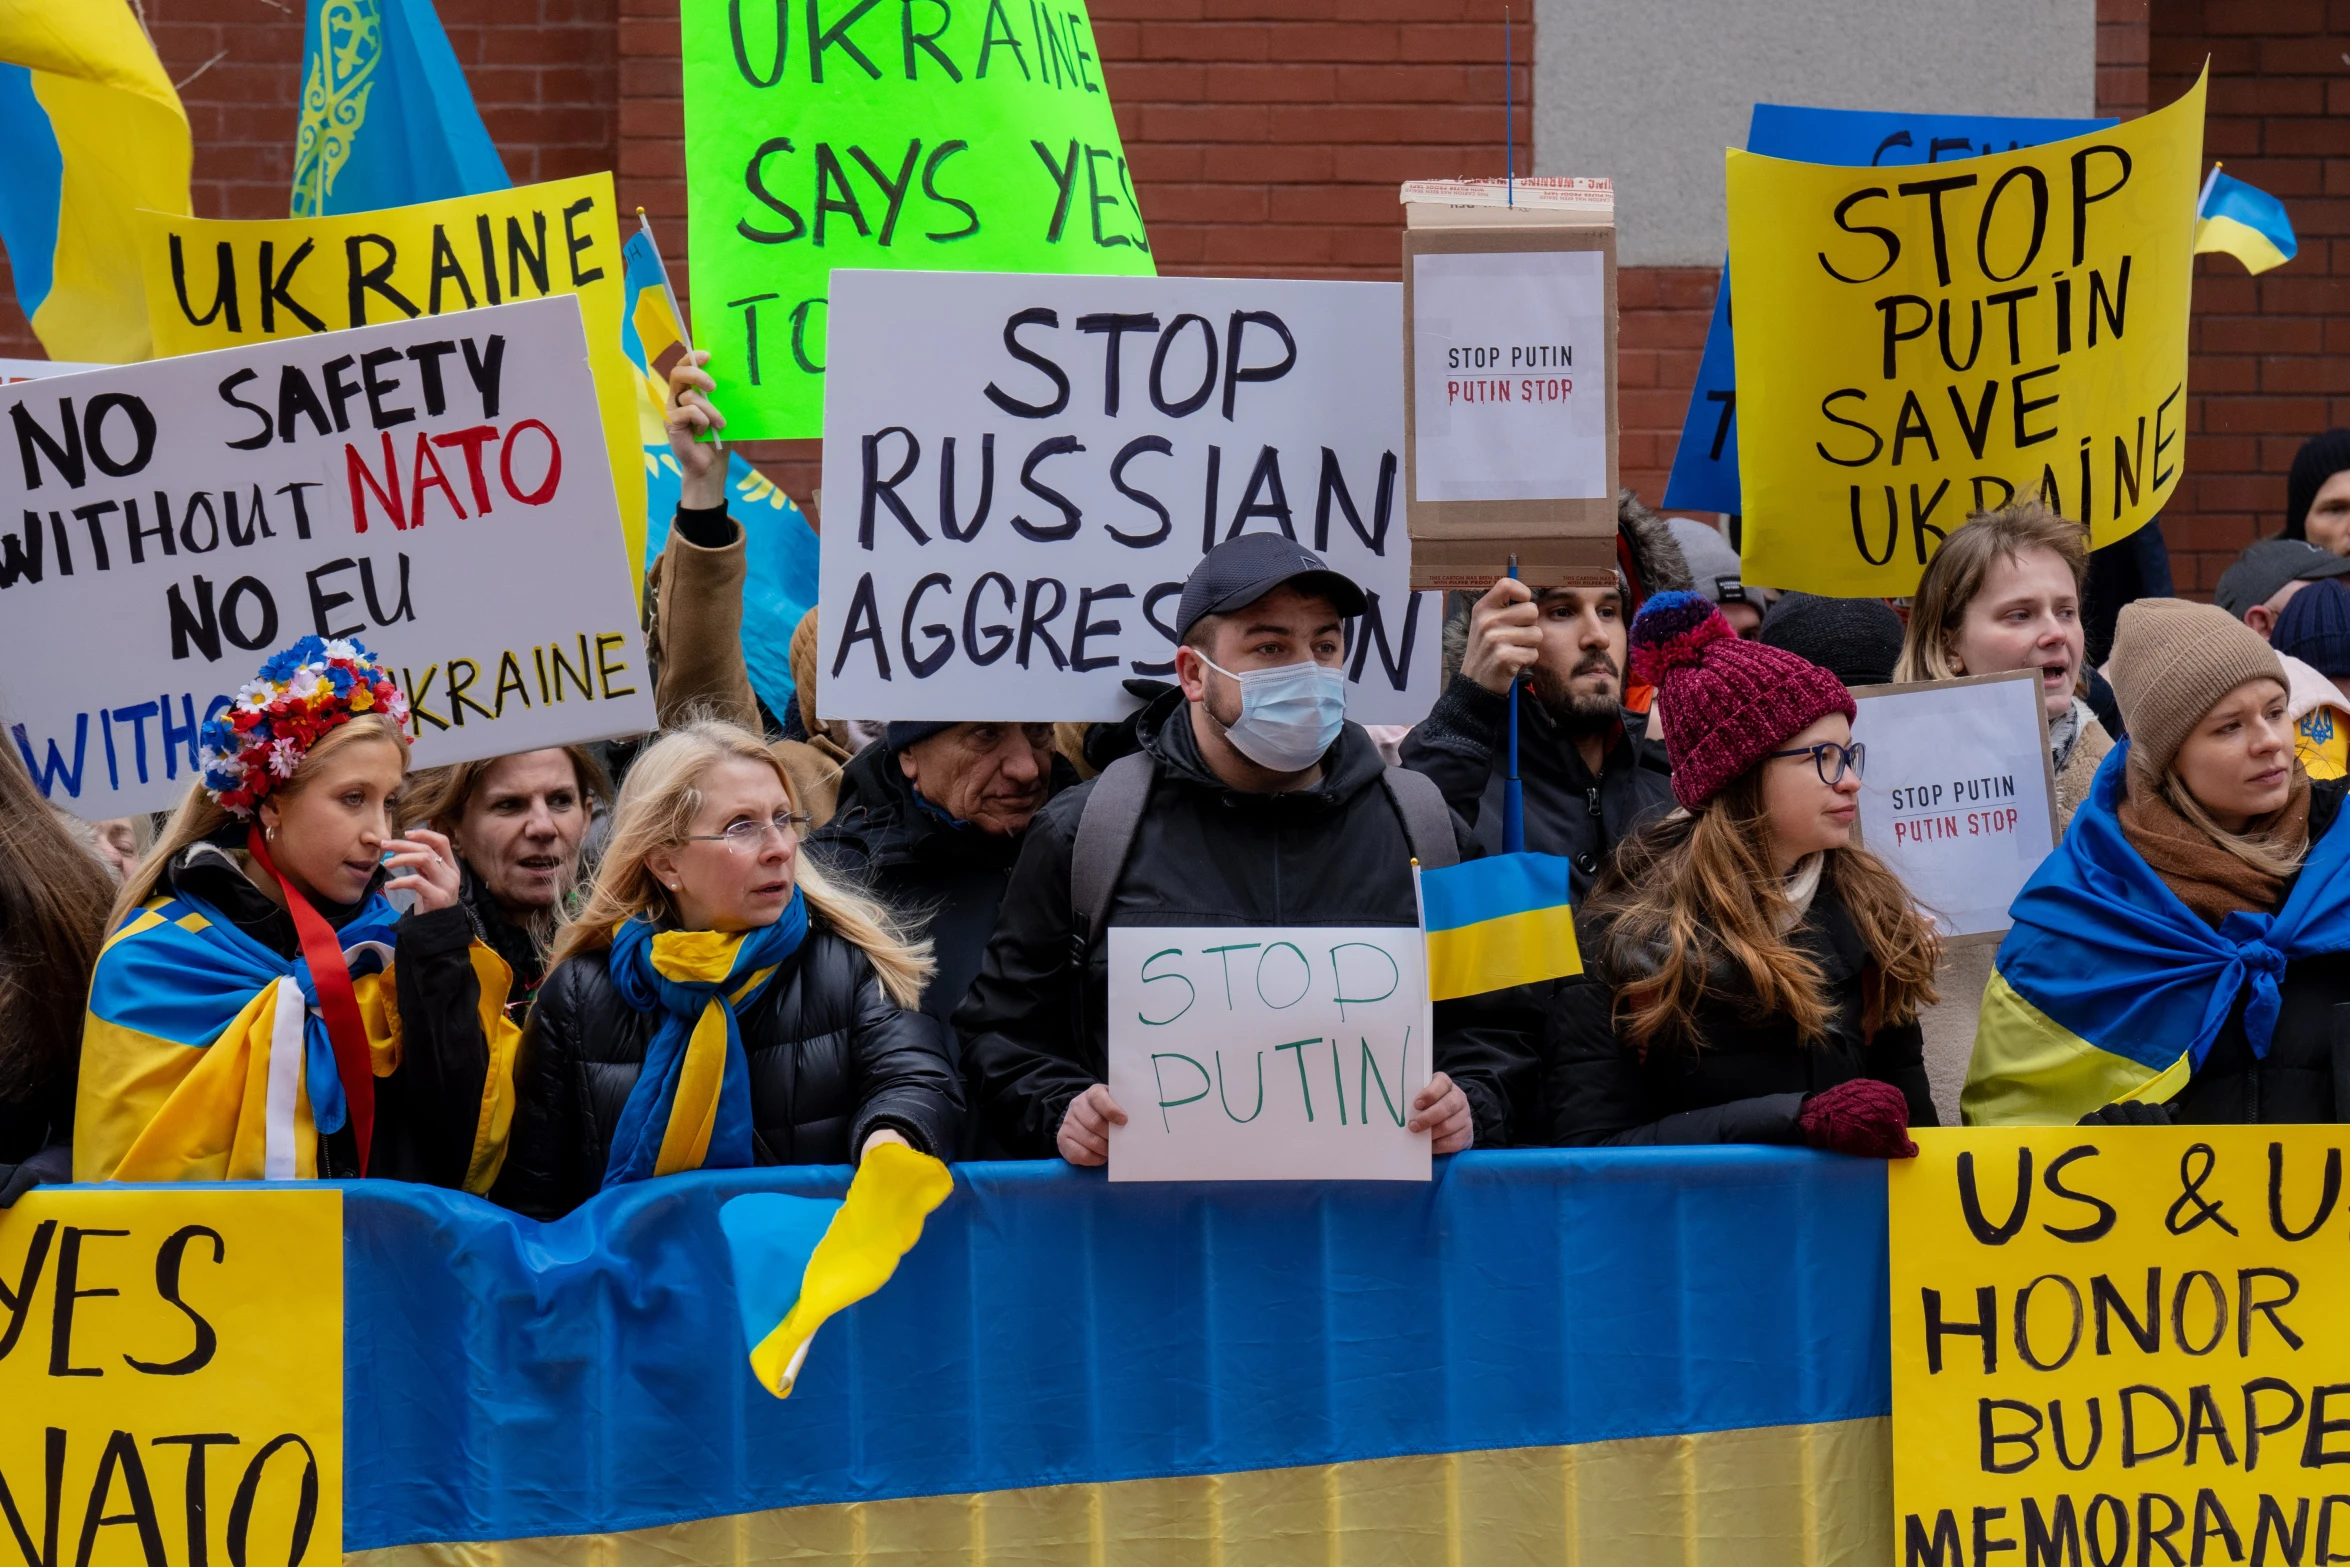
{"x": 1207, "y": 854}
{"x": 1747, "y": 1082}
{"x": 1463, "y": 746}
{"x": 832, "y": 1058}
{"x": 914, "y": 858}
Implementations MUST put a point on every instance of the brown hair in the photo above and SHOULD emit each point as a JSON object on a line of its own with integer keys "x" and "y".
{"x": 200, "y": 816}
{"x": 1696, "y": 893}
{"x": 1955, "y": 575}
{"x": 655, "y": 809}
{"x": 53, "y": 898}
{"x": 437, "y": 796}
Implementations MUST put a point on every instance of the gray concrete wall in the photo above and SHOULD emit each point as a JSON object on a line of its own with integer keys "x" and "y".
{"x": 1649, "y": 92}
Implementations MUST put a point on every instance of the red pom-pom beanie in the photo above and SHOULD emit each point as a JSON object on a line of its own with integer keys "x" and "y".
{"x": 1726, "y": 704}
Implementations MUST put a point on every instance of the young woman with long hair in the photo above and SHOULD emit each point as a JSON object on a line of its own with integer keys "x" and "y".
{"x": 53, "y": 898}
{"x": 717, "y": 1002}
{"x": 2184, "y": 953}
{"x": 1750, "y": 975}
{"x": 247, "y": 1019}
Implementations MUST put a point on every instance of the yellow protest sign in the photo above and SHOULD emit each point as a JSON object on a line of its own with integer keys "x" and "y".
{"x": 171, "y": 1377}
{"x": 1918, "y": 344}
{"x": 218, "y": 284}
{"x": 2121, "y": 1345}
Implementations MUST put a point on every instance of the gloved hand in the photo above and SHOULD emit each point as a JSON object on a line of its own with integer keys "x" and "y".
{"x": 2130, "y": 1112}
{"x": 1862, "y": 1117}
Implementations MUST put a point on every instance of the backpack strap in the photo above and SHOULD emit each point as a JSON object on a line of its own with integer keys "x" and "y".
{"x": 1105, "y": 832}
{"x": 1427, "y": 820}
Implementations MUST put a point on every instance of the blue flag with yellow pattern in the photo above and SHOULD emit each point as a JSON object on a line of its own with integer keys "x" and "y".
{"x": 387, "y": 119}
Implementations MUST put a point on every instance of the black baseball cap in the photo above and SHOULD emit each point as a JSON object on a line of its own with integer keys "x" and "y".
{"x": 1240, "y": 571}
{"x": 2270, "y": 564}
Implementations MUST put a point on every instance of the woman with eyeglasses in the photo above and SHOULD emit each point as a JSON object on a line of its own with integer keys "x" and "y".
{"x": 1749, "y": 975}
{"x": 717, "y": 1003}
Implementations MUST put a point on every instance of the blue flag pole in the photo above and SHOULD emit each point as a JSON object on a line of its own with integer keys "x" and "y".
{"x": 1513, "y": 794}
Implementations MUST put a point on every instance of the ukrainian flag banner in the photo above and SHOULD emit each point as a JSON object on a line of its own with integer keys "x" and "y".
{"x": 94, "y": 132}
{"x": 1497, "y": 922}
{"x": 2245, "y": 222}
{"x": 2109, "y": 988}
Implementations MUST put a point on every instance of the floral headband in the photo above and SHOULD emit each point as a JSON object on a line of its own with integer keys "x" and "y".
{"x": 301, "y": 695}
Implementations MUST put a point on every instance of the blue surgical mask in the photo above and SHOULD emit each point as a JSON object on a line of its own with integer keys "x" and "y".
{"x": 1289, "y": 715}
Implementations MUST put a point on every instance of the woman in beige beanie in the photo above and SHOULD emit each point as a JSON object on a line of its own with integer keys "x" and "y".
{"x": 2176, "y": 878}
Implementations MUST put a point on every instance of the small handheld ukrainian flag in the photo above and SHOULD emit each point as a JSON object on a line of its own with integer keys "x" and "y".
{"x": 799, "y": 1260}
{"x": 1496, "y": 922}
{"x": 2245, "y": 222}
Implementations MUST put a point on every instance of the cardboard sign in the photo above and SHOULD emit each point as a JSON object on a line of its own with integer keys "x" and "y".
{"x": 171, "y": 1361}
{"x": 1509, "y": 358}
{"x": 1268, "y": 1055}
{"x": 1023, "y": 470}
{"x": 1914, "y": 347}
{"x": 966, "y": 137}
{"x": 1705, "y": 464}
{"x": 1959, "y": 797}
{"x": 217, "y": 284}
{"x": 433, "y": 488}
{"x": 2120, "y": 1345}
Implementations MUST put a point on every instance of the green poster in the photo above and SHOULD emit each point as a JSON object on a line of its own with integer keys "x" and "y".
{"x": 930, "y": 135}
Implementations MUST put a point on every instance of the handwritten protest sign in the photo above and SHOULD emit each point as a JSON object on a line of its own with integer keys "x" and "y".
{"x": 214, "y": 284}
{"x": 1705, "y": 464}
{"x": 1268, "y": 1055}
{"x": 2120, "y": 1346}
{"x": 1913, "y": 349}
{"x": 171, "y": 1367}
{"x": 434, "y": 488}
{"x": 1022, "y": 470}
{"x": 1959, "y": 798}
{"x": 939, "y": 136}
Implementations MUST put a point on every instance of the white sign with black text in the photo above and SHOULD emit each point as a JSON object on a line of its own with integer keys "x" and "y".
{"x": 436, "y": 489}
{"x": 1020, "y": 471}
{"x": 1268, "y": 1055}
{"x": 1959, "y": 797}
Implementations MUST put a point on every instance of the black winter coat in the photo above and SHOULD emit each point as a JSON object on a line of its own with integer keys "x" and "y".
{"x": 914, "y": 858}
{"x": 1036, "y": 1033}
{"x": 1463, "y": 745}
{"x": 1747, "y": 1082}
{"x": 832, "y": 1058}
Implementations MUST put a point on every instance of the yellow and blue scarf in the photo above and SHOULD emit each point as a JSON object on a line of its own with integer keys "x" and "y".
{"x": 2109, "y": 988}
{"x": 691, "y": 1107}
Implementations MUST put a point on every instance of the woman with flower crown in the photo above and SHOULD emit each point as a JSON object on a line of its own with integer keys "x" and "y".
{"x": 261, "y": 1010}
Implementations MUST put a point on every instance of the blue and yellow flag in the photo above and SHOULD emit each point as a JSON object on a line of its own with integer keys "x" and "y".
{"x": 387, "y": 120}
{"x": 1497, "y": 922}
{"x": 93, "y": 132}
{"x": 2108, "y": 988}
{"x": 2245, "y": 222}
{"x": 800, "y": 1260}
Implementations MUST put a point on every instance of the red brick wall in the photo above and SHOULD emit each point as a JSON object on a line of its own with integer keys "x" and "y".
{"x": 543, "y": 72}
{"x": 2271, "y": 355}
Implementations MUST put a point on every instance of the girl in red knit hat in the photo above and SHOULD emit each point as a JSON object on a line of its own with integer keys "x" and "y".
{"x": 1751, "y": 977}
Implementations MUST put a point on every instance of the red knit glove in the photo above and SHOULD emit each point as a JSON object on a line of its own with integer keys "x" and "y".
{"x": 1863, "y": 1117}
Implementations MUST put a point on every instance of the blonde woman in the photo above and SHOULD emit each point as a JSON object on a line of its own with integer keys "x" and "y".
{"x": 716, "y": 1003}
{"x": 262, "y": 1011}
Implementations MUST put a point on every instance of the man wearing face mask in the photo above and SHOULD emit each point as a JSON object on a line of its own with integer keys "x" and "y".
{"x": 1252, "y": 802}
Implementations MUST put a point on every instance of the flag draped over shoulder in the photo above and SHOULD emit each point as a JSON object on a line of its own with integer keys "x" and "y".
{"x": 387, "y": 120}
{"x": 203, "y": 1057}
{"x": 93, "y": 132}
{"x": 2109, "y": 988}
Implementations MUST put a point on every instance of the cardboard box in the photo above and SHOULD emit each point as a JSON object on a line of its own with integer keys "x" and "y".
{"x": 1510, "y": 426}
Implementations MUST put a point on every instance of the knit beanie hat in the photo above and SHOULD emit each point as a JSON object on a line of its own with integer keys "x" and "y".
{"x": 1726, "y": 704}
{"x": 2315, "y": 628}
{"x": 2320, "y": 458}
{"x": 2172, "y": 660}
{"x": 898, "y": 736}
{"x": 1856, "y": 640}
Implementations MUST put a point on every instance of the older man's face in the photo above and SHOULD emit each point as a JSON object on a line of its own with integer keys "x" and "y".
{"x": 994, "y": 776}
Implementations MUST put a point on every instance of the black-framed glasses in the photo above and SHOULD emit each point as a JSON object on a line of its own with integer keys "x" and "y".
{"x": 751, "y": 837}
{"x": 1854, "y": 757}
